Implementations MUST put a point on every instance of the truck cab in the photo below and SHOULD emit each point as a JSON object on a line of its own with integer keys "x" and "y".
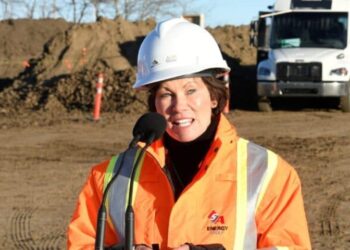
{"x": 303, "y": 51}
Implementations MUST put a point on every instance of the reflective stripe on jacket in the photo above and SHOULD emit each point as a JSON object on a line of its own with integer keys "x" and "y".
{"x": 243, "y": 196}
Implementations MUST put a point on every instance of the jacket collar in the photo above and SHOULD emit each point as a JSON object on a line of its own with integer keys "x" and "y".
{"x": 225, "y": 132}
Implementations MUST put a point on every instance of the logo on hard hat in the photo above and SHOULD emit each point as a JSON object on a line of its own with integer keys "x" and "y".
{"x": 171, "y": 58}
{"x": 154, "y": 63}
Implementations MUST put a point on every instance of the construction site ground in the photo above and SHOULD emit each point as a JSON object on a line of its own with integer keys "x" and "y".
{"x": 46, "y": 159}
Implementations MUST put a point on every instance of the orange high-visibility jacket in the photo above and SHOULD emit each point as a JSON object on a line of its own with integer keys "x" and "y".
{"x": 243, "y": 196}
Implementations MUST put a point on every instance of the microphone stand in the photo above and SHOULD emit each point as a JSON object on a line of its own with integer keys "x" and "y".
{"x": 129, "y": 214}
{"x": 102, "y": 212}
{"x": 148, "y": 127}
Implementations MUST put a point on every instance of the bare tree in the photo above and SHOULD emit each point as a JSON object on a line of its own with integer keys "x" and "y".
{"x": 154, "y": 8}
{"x": 8, "y": 7}
{"x": 44, "y": 10}
{"x": 55, "y": 10}
{"x": 82, "y": 11}
{"x": 96, "y": 4}
{"x": 47, "y": 9}
{"x": 30, "y": 9}
{"x": 141, "y": 10}
{"x": 77, "y": 9}
{"x": 115, "y": 3}
{"x": 5, "y": 8}
{"x": 130, "y": 7}
{"x": 74, "y": 4}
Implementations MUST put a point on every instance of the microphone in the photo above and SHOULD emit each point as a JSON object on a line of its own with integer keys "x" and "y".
{"x": 148, "y": 128}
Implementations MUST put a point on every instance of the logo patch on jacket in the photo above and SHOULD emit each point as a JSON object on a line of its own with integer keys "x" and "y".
{"x": 216, "y": 223}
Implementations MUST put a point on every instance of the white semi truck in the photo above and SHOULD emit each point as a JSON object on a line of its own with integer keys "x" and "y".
{"x": 303, "y": 51}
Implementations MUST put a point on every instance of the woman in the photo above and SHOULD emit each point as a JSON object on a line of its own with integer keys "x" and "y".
{"x": 200, "y": 186}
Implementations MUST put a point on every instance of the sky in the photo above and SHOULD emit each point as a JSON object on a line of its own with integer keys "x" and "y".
{"x": 231, "y": 12}
{"x": 216, "y": 12}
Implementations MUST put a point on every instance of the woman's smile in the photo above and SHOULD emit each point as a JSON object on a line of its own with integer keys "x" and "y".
{"x": 182, "y": 122}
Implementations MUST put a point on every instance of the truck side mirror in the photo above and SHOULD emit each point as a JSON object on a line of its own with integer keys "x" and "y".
{"x": 253, "y": 40}
{"x": 254, "y": 26}
{"x": 253, "y": 34}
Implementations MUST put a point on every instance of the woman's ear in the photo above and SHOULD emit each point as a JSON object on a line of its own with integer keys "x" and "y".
{"x": 214, "y": 104}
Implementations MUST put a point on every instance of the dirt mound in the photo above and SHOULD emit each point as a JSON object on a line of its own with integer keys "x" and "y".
{"x": 241, "y": 57}
{"x": 63, "y": 76}
{"x": 101, "y": 45}
{"x": 234, "y": 43}
{"x": 23, "y": 40}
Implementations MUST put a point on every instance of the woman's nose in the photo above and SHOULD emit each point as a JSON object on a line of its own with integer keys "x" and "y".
{"x": 179, "y": 102}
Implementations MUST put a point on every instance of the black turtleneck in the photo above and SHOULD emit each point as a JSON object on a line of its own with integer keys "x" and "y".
{"x": 183, "y": 158}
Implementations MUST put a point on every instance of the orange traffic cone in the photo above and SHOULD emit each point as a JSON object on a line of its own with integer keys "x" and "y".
{"x": 98, "y": 97}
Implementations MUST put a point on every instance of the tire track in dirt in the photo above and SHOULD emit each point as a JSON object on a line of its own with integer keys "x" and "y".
{"x": 51, "y": 241}
{"x": 21, "y": 233}
{"x": 329, "y": 219}
{"x": 332, "y": 216}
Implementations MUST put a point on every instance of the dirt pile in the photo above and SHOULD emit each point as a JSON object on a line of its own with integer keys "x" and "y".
{"x": 22, "y": 40}
{"x": 61, "y": 76}
{"x": 234, "y": 43}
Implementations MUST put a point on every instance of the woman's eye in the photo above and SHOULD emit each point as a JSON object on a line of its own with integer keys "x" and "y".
{"x": 191, "y": 91}
{"x": 163, "y": 95}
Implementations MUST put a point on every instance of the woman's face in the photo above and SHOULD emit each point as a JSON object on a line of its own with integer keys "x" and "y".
{"x": 187, "y": 107}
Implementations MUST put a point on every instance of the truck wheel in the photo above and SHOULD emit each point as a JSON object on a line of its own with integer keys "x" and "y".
{"x": 345, "y": 101}
{"x": 264, "y": 105}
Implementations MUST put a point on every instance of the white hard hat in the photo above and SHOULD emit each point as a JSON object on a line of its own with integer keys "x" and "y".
{"x": 175, "y": 48}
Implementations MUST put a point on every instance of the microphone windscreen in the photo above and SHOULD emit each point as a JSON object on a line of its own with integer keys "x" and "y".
{"x": 149, "y": 124}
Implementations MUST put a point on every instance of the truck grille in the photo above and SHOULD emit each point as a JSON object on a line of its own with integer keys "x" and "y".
{"x": 299, "y": 72}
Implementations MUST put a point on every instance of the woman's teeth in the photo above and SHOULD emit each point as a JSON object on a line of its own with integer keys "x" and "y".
{"x": 183, "y": 123}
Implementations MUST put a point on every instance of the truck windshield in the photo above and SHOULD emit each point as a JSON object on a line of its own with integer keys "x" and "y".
{"x": 309, "y": 30}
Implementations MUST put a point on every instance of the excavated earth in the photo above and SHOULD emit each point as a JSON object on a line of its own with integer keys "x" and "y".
{"x": 49, "y": 139}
